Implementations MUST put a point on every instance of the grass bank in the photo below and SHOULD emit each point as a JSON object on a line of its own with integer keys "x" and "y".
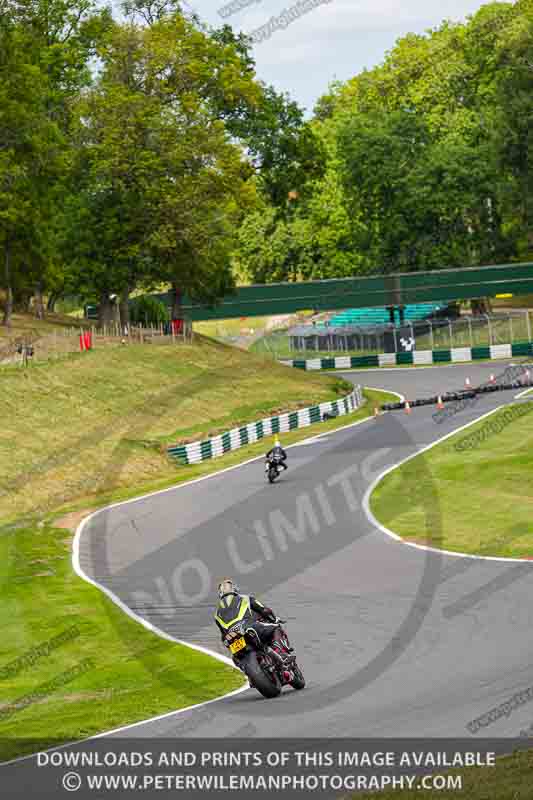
{"x": 78, "y": 433}
{"x": 28, "y": 325}
{"x": 509, "y": 779}
{"x": 100, "y": 421}
{"x": 72, "y": 664}
{"x": 484, "y": 491}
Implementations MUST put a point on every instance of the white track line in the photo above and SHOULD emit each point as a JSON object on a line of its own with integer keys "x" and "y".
{"x": 395, "y": 536}
{"x": 527, "y": 391}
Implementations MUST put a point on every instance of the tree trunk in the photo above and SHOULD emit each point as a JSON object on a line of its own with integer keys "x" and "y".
{"x": 105, "y": 310}
{"x": 51, "y": 303}
{"x": 8, "y": 311}
{"x": 39, "y": 301}
{"x": 124, "y": 308}
{"x": 176, "y": 302}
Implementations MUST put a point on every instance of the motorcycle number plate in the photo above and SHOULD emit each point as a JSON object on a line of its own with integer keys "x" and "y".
{"x": 238, "y": 644}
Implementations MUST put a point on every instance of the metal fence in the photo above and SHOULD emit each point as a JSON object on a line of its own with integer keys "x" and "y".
{"x": 33, "y": 346}
{"x": 430, "y": 334}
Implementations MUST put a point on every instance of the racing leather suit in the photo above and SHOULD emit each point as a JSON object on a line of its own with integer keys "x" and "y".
{"x": 259, "y": 619}
{"x": 278, "y": 455}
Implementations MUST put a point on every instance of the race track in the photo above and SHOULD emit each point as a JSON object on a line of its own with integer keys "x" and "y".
{"x": 393, "y": 640}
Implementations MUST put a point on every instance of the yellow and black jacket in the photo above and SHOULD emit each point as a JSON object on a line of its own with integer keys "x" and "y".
{"x": 233, "y": 608}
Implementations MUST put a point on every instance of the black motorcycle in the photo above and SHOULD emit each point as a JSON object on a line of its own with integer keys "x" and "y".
{"x": 272, "y": 470}
{"x": 267, "y": 668}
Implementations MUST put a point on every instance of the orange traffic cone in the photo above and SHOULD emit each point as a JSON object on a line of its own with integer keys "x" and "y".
{"x": 467, "y": 383}
{"x": 440, "y": 404}
{"x": 376, "y": 411}
{"x": 492, "y": 378}
{"x": 407, "y": 407}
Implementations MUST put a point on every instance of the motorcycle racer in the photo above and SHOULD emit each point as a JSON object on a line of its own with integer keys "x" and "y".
{"x": 276, "y": 454}
{"x": 261, "y": 623}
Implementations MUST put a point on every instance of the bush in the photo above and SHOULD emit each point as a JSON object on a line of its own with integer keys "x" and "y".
{"x": 148, "y": 310}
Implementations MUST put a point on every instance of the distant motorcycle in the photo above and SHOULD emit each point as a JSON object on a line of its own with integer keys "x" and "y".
{"x": 268, "y": 668}
{"x": 272, "y": 470}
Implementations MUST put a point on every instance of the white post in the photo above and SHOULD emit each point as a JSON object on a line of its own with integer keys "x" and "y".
{"x": 510, "y": 329}
{"x": 451, "y": 332}
{"x": 431, "y": 339}
{"x": 490, "y": 330}
{"x": 470, "y": 330}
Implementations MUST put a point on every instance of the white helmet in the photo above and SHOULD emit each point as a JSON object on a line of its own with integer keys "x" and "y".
{"x": 226, "y": 586}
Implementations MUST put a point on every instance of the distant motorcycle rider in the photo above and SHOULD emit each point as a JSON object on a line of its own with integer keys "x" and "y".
{"x": 277, "y": 455}
{"x": 261, "y": 623}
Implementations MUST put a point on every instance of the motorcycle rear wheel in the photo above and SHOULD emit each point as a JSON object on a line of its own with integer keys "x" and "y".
{"x": 260, "y": 679}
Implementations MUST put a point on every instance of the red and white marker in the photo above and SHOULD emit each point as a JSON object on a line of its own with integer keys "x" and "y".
{"x": 440, "y": 404}
{"x": 407, "y": 407}
{"x": 467, "y": 383}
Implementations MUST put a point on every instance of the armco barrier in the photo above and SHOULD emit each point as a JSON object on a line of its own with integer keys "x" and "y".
{"x": 452, "y": 355}
{"x": 238, "y": 437}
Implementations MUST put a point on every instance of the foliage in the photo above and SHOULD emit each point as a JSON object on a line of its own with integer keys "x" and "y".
{"x": 426, "y": 160}
{"x": 148, "y": 310}
{"x": 144, "y": 151}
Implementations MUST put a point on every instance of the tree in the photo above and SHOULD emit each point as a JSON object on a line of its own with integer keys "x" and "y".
{"x": 161, "y": 184}
{"x": 45, "y": 50}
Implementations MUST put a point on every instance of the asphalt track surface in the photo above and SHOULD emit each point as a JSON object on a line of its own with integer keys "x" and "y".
{"x": 394, "y": 641}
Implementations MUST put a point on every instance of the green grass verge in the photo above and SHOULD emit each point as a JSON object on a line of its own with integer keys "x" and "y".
{"x": 509, "y": 779}
{"x": 90, "y": 431}
{"x": 485, "y": 495}
{"x": 121, "y": 672}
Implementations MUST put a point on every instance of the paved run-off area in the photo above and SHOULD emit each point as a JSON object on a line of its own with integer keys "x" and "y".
{"x": 393, "y": 640}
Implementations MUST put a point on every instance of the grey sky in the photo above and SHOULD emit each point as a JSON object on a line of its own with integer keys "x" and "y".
{"x": 334, "y": 41}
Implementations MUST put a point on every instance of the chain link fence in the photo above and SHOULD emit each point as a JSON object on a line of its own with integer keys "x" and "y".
{"x": 430, "y": 334}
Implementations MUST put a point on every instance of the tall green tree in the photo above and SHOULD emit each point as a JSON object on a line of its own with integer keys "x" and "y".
{"x": 161, "y": 182}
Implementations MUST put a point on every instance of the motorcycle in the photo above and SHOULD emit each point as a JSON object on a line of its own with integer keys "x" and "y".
{"x": 268, "y": 667}
{"x": 272, "y": 470}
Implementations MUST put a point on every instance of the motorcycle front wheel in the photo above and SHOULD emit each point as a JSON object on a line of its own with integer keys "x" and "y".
{"x": 272, "y": 474}
{"x": 298, "y": 682}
